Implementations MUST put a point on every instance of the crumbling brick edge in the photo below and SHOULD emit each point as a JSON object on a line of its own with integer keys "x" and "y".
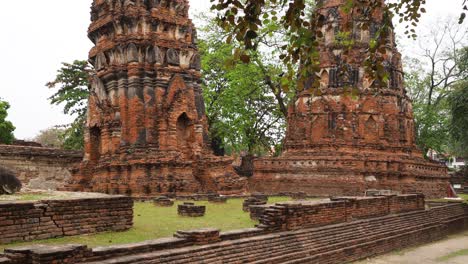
{"x": 33, "y": 220}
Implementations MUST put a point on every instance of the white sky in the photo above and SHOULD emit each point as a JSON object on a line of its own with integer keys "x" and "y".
{"x": 36, "y": 36}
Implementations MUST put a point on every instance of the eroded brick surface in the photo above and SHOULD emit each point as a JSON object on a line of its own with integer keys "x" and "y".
{"x": 354, "y": 132}
{"x": 26, "y": 221}
{"x": 39, "y": 167}
{"x": 147, "y": 129}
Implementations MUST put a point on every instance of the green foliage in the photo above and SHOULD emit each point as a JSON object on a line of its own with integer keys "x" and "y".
{"x": 459, "y": 118}
{"x": 245, "y": 106}
{"x": 431, "y": 120}
{"x": 245, "y": 20}
{"x": 433, "y": 80}
{"x": 72, "y": 90}
{"x": 51, "y": 137}
{"x": 73, "y": 136}
{"x": 6, "y": 127}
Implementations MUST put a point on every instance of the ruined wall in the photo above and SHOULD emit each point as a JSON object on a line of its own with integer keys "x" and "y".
{"x": 300, "y": 215}
{"x": 349, "y": 130}
{"x": 333, "y": 243}
{"x": 38, "y": 167}
{"x": 27, "y": 221}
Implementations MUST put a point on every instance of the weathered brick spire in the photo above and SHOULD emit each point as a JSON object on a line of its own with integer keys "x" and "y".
{"x": 147, "y": 130}
{"x": 353, "y": 132}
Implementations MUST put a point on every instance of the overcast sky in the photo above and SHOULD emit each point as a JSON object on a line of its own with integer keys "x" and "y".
{"x": 36, "y": 36}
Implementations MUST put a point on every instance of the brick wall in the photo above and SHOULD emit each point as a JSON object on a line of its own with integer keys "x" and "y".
{"x": 26, "y": 221}
{"x": 297, "y": 215}
{"x": 38, "y": 167}
{"x": 337, "y": 243}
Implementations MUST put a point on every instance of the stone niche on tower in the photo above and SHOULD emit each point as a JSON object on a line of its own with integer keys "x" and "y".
{"x": 353, "y": 132}
{"x": 147, "y": 131}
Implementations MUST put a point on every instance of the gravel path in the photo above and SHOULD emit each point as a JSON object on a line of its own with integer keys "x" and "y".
{"x": 429, "y": 254}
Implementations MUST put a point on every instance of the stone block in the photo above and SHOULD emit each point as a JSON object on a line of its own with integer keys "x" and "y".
{"x": 191, "y": 210}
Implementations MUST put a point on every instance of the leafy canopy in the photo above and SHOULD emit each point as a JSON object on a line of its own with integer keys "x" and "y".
{"x": 72, "y": 90}
{"x": 243, "y": 110}
{"x": 245, "y": 20}
{"x": 459, "y": 118}
{"x": 6, "y": 127}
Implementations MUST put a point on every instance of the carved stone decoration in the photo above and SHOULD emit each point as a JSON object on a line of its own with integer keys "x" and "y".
{"x": 147, "y": 130}
{"x": 172, "y": 56}
{"x": 196, "y": 62}
{"x": 132, "y": 53}
{"x": 150, "y": 55}
{"x": 101, "y": 61}
{"x": 159, "y": 55}
{"x": 351, "y": 128}
{"x": 343, "y": 75}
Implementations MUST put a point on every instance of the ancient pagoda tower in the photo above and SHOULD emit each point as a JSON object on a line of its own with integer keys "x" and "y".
{"x": 354, "y": 132}
{"x": 146, "y": 129}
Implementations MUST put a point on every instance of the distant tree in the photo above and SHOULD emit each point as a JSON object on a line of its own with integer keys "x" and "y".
{"x": 52, "y": 137}
{"x": 72, "y": 90}
{"x": 6, "y": 127}
{"x": 459, "y": 119}
{"x": 432, "y": 77}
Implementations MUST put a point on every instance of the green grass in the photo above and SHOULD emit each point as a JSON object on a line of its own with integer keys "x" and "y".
{"x": 24, "y": 197}
{"x": 464, "y": 196}
{"x": 151, "y": 222}
{"x": 459, "y": 253}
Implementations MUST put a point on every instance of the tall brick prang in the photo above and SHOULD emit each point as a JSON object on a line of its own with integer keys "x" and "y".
{"x": 147, "y": 129}
{"x": 353, "y": 132}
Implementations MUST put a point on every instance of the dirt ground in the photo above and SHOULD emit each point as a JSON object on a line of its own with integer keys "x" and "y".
{"x": 453, "y": 250}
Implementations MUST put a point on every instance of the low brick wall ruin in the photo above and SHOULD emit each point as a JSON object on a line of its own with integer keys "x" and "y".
{"x": 403, "y": 223}
{"x": 38, "y": 167}
{"x": 308, "y": 214}
{"x": 26, "y": 221}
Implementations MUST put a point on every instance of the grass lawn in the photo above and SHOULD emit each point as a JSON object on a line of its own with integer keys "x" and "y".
{"x": 151, "y": 222}
{"x": 464, "y": 196}
{"x": 23, "y": 197}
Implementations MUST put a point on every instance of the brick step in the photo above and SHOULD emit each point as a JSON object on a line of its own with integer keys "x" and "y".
{"x": 294, "y": 239}
{"x": 326, "y": 231}
{"x": 283, "y": 248}
{"x": 327, "y": 245}
{"x": 310, "y": 257}
{"x": 449, "y": 210}
{"x": 208, "y": 254}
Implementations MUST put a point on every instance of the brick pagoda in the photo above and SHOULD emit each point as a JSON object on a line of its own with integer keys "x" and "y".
{"x": 146, "y": 129}
{"x": 354, "y": 132}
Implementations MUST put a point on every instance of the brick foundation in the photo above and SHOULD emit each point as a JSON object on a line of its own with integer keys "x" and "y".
{"x": 191, "y": 210}
{"x": 326, "y": 232}
{"x": 163, "y": 201}
{"x": 27, "y": 221}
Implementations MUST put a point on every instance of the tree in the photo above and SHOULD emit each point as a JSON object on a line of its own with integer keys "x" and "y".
{"x": 245, "y": 21}
{"x": 459, "y": 119}
{"x": 246, "y": 111}
{"x": 431, "y": 77}
{"x": 72, "y": 90}
{"x": 52, "y": 137}
{"x": 6, "y": 127}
